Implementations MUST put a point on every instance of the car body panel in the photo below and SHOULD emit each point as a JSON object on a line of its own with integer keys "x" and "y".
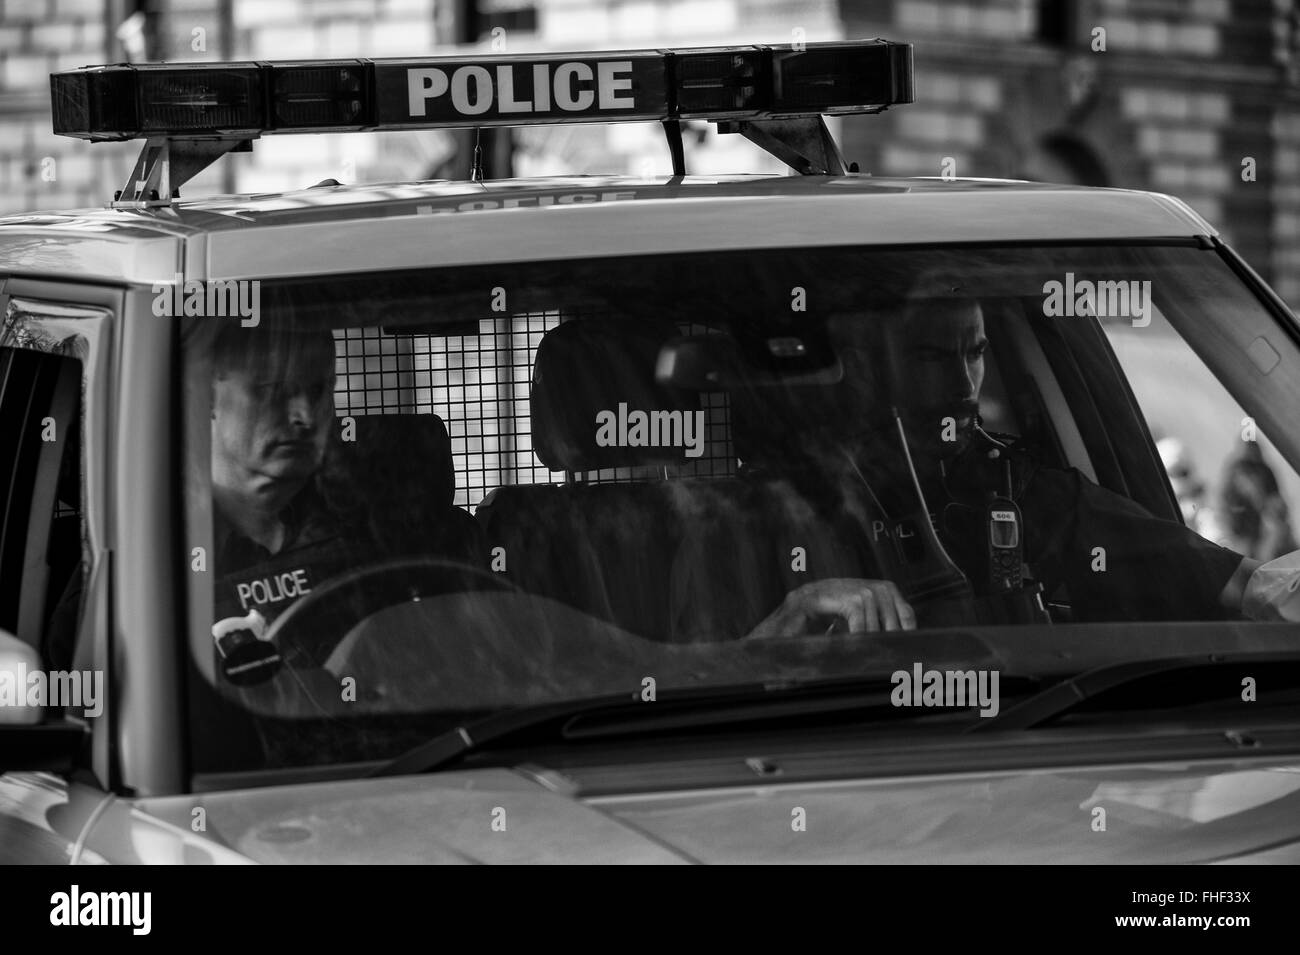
{"x": 43, "y": 819}
{"x": 98, "y": 245}
{"x": 443, "y": 818}
{"x": 1246, "y": 810}
{"x": 355, "y": 229}
{"x": 1242, "y": 811}
{"x": 1154, "y": 814}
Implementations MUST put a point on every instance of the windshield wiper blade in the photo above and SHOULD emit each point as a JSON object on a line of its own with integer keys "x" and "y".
{"x": 596, "y": 717}
{"x": 1063, "y": 697}
{"x": 467, "y": 738}
{"x": 460, "y": 740}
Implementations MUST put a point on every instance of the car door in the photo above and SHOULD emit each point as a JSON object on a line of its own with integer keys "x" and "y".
{"x": 53, "y": 564}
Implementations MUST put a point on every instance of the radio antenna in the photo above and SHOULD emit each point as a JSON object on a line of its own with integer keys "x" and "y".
{"x": 476, "y": 168}
{"x": 950, "y": 580}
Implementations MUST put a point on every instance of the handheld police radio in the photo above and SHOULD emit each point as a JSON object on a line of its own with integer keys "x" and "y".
{"x": 1012, "y": 599}
{"x": 1004, "y": 526}
{"x": 1005, "y": 545}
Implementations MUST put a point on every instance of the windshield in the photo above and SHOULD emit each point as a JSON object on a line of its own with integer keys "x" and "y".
{"x": 440, "y": 493}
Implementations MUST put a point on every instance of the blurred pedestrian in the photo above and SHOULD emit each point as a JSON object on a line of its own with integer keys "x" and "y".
{"x": 1254, "y": 513}
{"x": 1191, "y": 492}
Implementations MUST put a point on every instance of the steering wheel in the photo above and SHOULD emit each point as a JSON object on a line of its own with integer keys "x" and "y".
{"x": 313, "y": 626}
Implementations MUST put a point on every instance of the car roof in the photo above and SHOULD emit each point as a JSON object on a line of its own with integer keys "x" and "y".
{"x": 332, "y": 229}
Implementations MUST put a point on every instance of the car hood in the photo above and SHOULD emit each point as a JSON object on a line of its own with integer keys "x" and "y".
{"x": 1158, "y": 813}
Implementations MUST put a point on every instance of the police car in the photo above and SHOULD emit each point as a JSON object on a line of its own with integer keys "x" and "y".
{"x": 751, "y": 518}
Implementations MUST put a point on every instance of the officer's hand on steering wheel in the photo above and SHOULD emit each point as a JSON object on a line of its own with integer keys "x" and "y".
{"x": 864, "y": 605}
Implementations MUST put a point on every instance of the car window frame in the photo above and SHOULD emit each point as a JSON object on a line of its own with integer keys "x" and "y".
{"x": 93, "y": 645}
{"x": 1159, "y": 496}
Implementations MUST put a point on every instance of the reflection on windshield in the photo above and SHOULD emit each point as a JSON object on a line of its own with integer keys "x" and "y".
{"x": 688, "y": 455}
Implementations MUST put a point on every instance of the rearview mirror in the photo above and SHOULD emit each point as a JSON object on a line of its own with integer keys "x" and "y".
{"x": 717, "y": 363}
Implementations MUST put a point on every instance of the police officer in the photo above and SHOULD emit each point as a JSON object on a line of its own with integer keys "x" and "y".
{"x": 272, "y": 419}
{"x": 293, "y": 504}
{"x": 1116, "y": 560}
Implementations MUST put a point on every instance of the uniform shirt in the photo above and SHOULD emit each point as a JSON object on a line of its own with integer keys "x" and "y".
{"x": 305, "y": 522}
{"x": 777, "y": 532}
{"x": 251, "y": 577}
{"x": 1116, "y": 560}
{"x": 322, "y": 541}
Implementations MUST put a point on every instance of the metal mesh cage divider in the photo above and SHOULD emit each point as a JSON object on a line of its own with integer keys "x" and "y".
{"x": 479, "y": 385}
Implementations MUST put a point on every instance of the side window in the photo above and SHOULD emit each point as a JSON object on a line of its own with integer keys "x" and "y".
{"x": 40, "y": 533}
{"x": 1232, "y": 485}
{"x": 48, "y": 353}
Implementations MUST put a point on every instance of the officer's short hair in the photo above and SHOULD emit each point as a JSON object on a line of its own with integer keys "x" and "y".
{"x": 874, "y": 326}
{"x": 927, "y": 306}
{"x": 266, "y": 350}
{"x": 935, "y": 289}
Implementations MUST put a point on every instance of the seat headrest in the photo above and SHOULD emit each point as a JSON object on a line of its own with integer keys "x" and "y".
{"x": 402, "y": 461}
{"x": 586, "y": 366}
{"x": 772, "y": 426}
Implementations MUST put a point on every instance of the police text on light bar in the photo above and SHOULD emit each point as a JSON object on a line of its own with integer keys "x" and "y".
{"x": 240, "y": 101}
{"x": 473, "y": 91}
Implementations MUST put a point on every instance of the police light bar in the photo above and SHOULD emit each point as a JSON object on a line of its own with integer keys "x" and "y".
{"x": 246, "y": 100}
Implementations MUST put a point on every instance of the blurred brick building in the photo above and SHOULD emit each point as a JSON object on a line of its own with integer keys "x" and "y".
{"x": 1183, "y": 93}
{"x": 38, "y": 170}
{"x": 41, "y": 171}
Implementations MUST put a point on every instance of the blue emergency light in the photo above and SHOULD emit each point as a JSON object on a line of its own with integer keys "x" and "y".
{"x": 247, "y": 100}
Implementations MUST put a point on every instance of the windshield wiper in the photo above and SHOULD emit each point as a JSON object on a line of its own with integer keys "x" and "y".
{"x": 596, "y": 717}
{"x": 1068, "y": 695}
{"x": 467, "y": 738}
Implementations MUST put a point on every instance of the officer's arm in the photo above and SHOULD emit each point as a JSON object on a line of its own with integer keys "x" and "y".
{"x": 1267, "y": 590}
{"x": 1234, "y": 591}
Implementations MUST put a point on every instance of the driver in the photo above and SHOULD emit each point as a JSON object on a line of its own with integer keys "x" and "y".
{"x": 293, "y": 505}
{"x": 272, "y": 417}
{"x": 1149, "y": 568}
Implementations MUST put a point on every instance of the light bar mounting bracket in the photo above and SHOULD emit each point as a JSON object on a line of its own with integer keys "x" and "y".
{"x": 673, "y": 131}
{"x": 168, "y": 162}
{"x": 803, "y": 143}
